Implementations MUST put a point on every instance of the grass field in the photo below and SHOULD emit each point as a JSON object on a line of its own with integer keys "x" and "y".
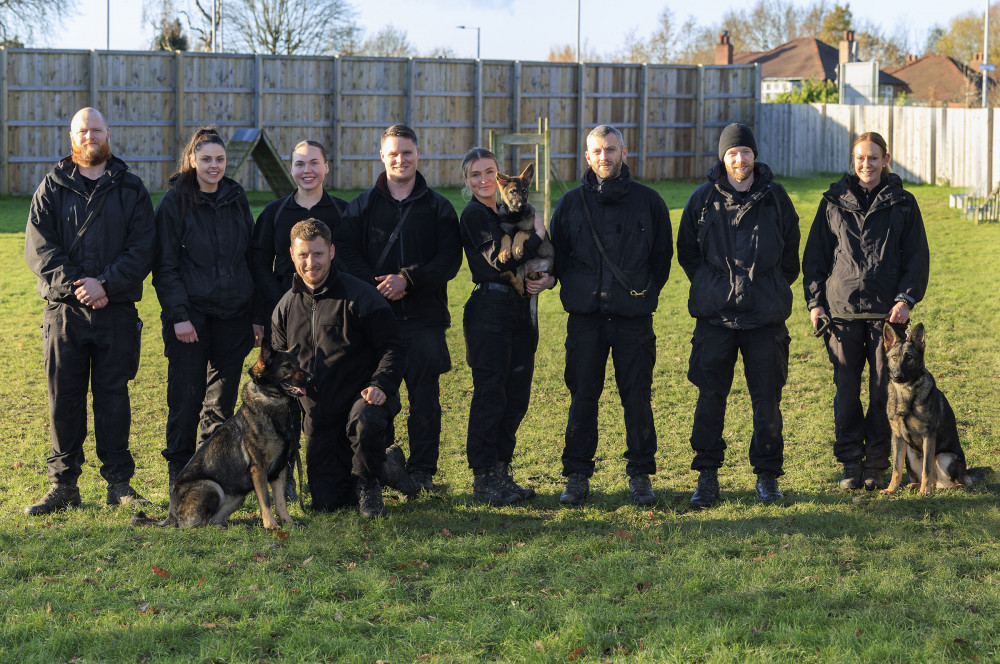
{"x": 826, "y": 576}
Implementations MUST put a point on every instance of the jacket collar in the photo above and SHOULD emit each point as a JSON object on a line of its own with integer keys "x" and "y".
{"x": 608, "y": 191}
{"x": 67, "y": 174}
{"x": 419, "y": 187}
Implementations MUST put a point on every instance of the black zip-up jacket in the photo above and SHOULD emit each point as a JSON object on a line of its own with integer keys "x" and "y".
{"x": 864, "y": 261}
{"x": 347, "y": 337}
{"x": 272, "y": 265}
{"x": 740, "y": 250}
{"x": 428, "y": 251}
{"x": 116, "y": 248}
{"x": 481, "y": 238}
{"x": 203, "y": 256}
{"x": 633, "y": 224}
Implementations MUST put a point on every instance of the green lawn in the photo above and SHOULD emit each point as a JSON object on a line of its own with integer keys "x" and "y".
{"x": 827, "y": 576}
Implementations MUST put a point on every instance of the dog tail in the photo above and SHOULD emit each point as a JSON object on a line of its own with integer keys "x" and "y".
{"x": 140, "y": 519}
{"x": 973, "y": 475}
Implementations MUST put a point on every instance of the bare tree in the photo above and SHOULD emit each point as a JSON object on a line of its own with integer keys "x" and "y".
{"x": 889, "y": 49}
{"x": 963, "y": 37}
{"x": 389, "y": 42}
{"x": 163, "y": 16}
{"x": 441, "y": 52}
{"x": 567, "y": 53}
{"x": 770, "y": 23}
{"x": 289, "y": 27}
{"x": 20, "y": 20}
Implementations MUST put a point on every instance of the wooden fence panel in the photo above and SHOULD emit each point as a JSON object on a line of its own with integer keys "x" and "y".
{"x": 154, "y": 101}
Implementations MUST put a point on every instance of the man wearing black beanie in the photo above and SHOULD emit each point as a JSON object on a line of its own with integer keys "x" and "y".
{"x": 738, "y": 243}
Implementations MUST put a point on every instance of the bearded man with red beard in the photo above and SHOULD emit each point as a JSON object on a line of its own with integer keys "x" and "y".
{"x": 89, "y": 240}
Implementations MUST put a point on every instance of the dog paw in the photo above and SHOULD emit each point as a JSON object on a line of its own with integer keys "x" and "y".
{"x": 518, "y": 253}
{"x": 503, "y": 256}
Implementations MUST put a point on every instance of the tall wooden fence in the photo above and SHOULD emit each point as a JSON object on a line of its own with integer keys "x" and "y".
{"x": 954, "y": 146}
{"x": 671, "y": 115}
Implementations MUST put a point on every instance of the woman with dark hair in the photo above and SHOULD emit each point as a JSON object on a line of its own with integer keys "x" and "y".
{"x": 865, "y": 264}
{"x": 201, "y": 273}
{"x": 500, "y": 338}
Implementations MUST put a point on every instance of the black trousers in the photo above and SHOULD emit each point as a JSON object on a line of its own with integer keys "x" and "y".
{"x": 632, "y": 345}
{"x": 99, "y": 347}
{"x": 427, "y": 358}
{"x": 203, "y": 380}
{"x": 859, "y": 435}
{"x": 500, "y": 343}
{"x": 765, "y": 367}
{"x": 344, "y": 447}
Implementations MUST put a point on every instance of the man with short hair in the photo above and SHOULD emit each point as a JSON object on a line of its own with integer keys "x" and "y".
{"x": 612, "y": 241}
{"x": 403, "y": 237}
{"x": 738, "y": 243}
{"x": 89, "y": 239}
{"x": 344, "y": 333}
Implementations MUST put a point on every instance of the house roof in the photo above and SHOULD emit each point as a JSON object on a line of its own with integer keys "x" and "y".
{"x": 802, "y": 58}
{"x": 940, "y": 78}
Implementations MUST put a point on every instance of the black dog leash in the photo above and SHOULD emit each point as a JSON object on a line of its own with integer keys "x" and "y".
{"x": 826, "y": 320}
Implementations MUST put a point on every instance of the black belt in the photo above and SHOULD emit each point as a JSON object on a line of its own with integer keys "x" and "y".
{"x": 492, "y": 285}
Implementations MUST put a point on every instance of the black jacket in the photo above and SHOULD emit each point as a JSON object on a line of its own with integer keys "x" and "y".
{"x": 272, "y": 265}
{"x": 740, "y": 251}
{"x": 864, "y": 262}
{"x": 117, "y": 246}
{"x": 428, "y": 251}
{"x": 203, "y": 256}
{"x": 633, "y": 224}
{"x": 481, "y": 236}
{"x": 347, "y": 337}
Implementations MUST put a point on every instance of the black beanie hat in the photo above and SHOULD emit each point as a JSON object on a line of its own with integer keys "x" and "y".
{"x": 735, "y": 135}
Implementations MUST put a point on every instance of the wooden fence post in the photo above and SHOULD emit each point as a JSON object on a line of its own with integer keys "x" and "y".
{"x": 643, "y": 121}
{"x": 581, "y": 100}
{"x": 3, "y": 122}
{"x": 178, "y": 103}
{"x": 258, "y": 99}
{"x": 335, "y": 143}
{"x": 93, "y": 81}
{"x": 409, "y": 93}
{"x": 477, "y": 114}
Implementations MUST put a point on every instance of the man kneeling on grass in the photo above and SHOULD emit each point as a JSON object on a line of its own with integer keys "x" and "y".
{"x": 343, "y": 330}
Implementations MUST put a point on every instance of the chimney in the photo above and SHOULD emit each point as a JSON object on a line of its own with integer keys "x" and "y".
{"x": 977, "y": 60}
{"x": 848, "y": 48}
{"x": 724, "y": 50}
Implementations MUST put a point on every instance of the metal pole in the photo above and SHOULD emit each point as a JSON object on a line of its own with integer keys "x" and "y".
{"x": 579, "y": 58}
{"x": 478, "y": 35}
{"x": 108, "y": 46}
{"x": 986, "y": 49}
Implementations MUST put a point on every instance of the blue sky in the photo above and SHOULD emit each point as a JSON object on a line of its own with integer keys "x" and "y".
{"x": 512, "y": 29}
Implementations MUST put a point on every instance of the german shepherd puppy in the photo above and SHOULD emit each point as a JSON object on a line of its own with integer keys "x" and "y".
{"x": 517, "y": 220}
{"x": 249, "y": 451}
{"x": 924, "y": 431}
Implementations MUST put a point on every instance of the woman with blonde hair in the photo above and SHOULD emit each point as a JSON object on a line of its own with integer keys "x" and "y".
{"x": 865, "y": 264}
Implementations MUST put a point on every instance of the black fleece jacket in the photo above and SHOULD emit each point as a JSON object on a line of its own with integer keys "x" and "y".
{"x": 117, "y": 246}
{"x": 740, "y": 250}
{"x": 345, "y": 335}
{"x": 633, "y": 224}
{"x": 428, "y": 251}
{"x": 864, "y": 261}
{"x": 203, "y": 255}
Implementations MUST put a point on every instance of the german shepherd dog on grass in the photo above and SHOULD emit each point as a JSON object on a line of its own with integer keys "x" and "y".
{"x": 517, "y": 220}
{"x": 924, "y": 431}
{"x": 249, "y": 451}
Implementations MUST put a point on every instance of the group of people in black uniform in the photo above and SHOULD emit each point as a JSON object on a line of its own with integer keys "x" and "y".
{"x": 359, "y": 291}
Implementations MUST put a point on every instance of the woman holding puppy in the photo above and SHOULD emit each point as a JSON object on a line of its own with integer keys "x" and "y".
{"x": 865, "y": 263}
{"x": 500, "y": 338}
{"x": 201, "y": 273}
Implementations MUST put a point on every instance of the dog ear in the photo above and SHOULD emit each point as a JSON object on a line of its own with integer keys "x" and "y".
{"x": 528, "y": 173}
{"x": 503, "y": 178}
{"x": 917, "y": 335}
{"x": 888, "y": 336}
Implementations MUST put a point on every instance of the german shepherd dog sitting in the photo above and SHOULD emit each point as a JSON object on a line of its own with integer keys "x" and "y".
{"x": 924, "y": 431}
{"x": 249, "y": 451}
{"x": 517, "y": 220}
